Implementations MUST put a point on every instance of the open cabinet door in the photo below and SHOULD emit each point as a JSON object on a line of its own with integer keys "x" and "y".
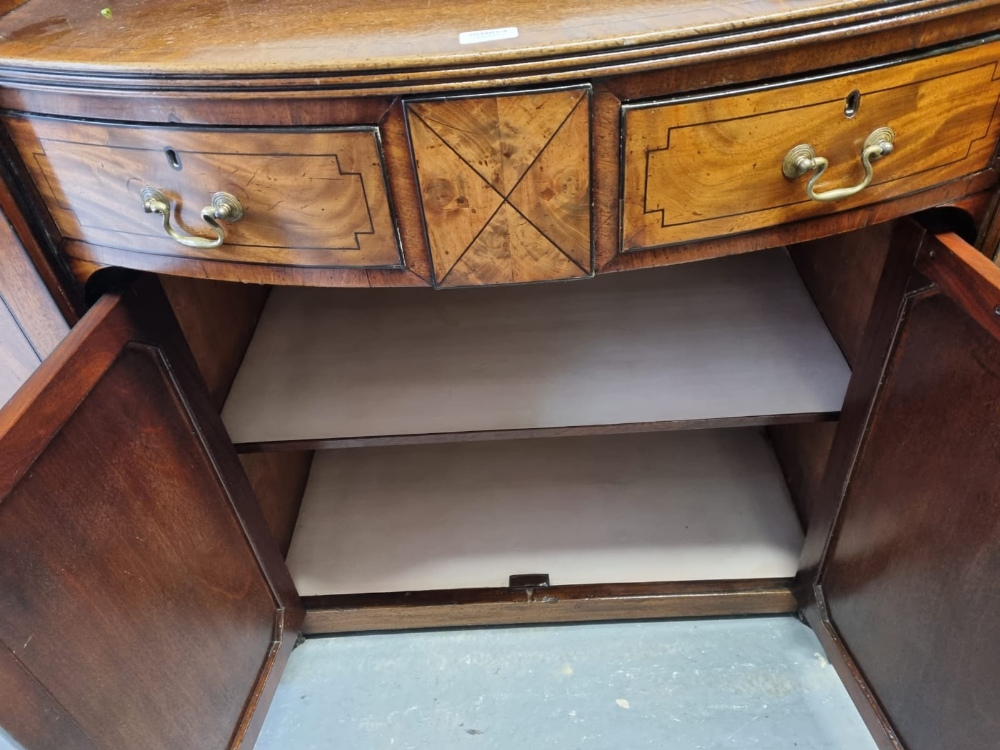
{"x": 907, "y": 598}
{"x": 143, "y": 603}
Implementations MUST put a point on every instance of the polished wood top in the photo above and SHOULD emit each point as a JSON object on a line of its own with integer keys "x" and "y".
{"x": 196, "y": 38}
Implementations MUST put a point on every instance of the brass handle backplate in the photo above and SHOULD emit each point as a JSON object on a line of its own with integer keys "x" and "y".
{"x": 225, "y": 207}
{"x": 803, "y": 159}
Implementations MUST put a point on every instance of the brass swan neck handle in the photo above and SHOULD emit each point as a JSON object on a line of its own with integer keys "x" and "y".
{"x": 224, "y": 207}
{"x": 803, "y": 159}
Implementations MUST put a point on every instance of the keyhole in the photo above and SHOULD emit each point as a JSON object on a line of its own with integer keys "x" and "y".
{"x": 172, "y": 159}
{"x": 853, "y": 104}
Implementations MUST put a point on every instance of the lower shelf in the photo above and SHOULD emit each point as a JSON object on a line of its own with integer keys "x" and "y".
{"x": 616, "y": 509}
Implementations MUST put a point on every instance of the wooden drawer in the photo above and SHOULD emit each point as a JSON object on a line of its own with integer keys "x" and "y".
{"x": 313, "y": 198}
{"x": 706, "y": 166}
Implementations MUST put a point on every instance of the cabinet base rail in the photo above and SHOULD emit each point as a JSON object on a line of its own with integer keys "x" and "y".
{"x": 412, "y": 610}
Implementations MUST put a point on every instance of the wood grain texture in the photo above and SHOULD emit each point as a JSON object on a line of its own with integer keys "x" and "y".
{"x": 743, "y": 339}
{"x": 907, "y": 238}
{"x": 416, "y": 43}
{"x": 148, "y": 598}
{"x": 406, "y": 197}
{"x": 31, "y": 323}
{"x": 471, "y": 607}
{"x": 308, "y": 108}
{"x": 312, "y": 197}
{"x": 711, "y": 166}
{"x": 989, "y": 230}
{"x": 606, "y": 130}
{"x": 218, "y": 320}
{"x": 910, "y": 581}
{"x": 147, "y": 634}
{"x": 30, "y": 714}
{"x": 84, "y": 260}
{"x": 37, "y": 233}
{"x": 789, "y": 48}
{"x": 817, "y": 227}
{"x": 965, "y": 275}
{"x": 701, "y": 505}
{"x": 24, "y": 293}
{"x": 278, "y": 481}
{"x": 850, "y": 674}
{"x": 505, "y": 186}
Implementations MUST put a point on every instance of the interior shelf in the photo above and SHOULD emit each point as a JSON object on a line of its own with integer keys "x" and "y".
{"x": 735, "y": 338}
{"x": 700, "y": 505}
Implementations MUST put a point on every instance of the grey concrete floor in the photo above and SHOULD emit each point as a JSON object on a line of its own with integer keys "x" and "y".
{"x": 677, "y": 685}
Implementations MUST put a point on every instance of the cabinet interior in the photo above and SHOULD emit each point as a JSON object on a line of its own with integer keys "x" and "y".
{"x": 664, "y": 427}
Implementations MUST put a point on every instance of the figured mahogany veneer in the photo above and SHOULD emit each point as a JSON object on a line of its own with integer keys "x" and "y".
{"x": 361, "y": 47}
{"x": 315, "y": 198}
{"x": 505, "y": 186}
{"x": 711, "y": 165}
{"x": 516, "y": 185}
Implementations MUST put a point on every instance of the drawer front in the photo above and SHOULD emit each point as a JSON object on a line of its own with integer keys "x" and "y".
{"x": 505, "y": 185}
{"x": 710, "y": 166}
{"x": 310, "y": 198}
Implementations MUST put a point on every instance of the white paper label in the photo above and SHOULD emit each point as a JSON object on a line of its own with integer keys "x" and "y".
{"x": 487, "y": 35}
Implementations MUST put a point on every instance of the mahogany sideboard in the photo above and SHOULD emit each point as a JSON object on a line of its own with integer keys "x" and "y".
{"x": 333, "y": 333}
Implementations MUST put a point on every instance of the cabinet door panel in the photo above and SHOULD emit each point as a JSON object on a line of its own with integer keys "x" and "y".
{"x": 138, "y": 585}
{"x": 911, "y": 581}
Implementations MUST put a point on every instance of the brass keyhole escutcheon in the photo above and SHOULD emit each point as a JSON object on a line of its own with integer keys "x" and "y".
{"x": 852, "y": 104}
